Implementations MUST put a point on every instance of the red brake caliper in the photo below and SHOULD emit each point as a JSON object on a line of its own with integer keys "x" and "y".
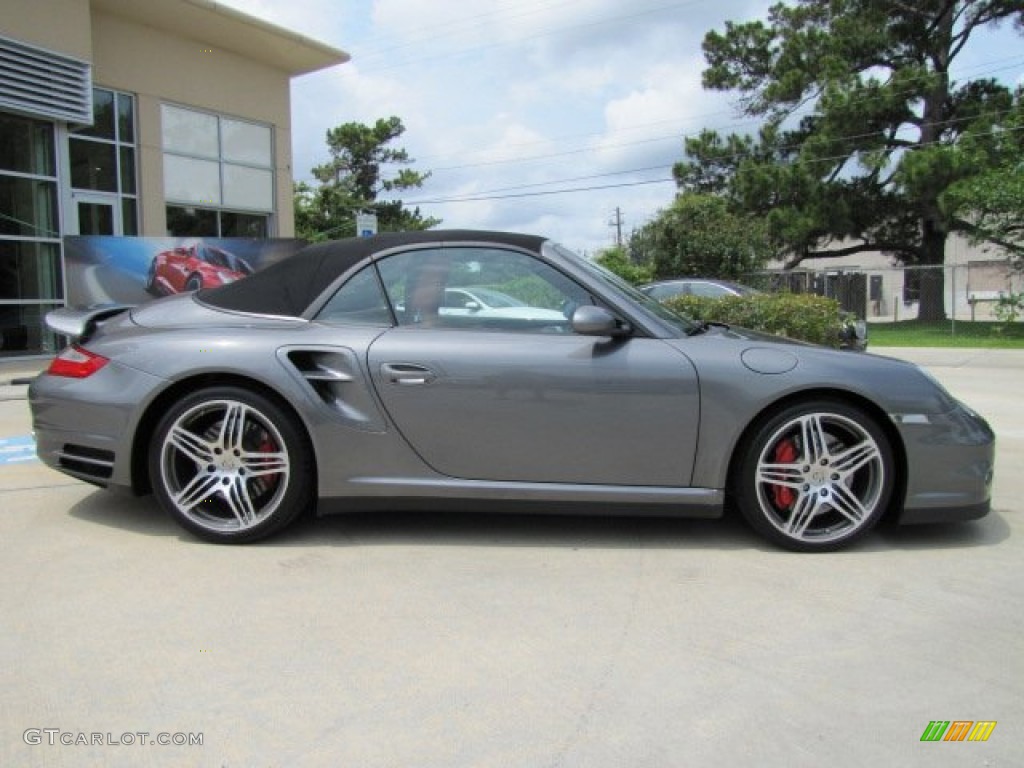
{"x": 267, "y": 446}
{"x": 785, "y": 453}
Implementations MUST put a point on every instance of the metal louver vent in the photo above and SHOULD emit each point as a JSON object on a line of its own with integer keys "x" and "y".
{"x": 44, "y": 84}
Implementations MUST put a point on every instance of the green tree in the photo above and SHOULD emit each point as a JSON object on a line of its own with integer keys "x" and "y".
{"x": 990, "y": 204}
{"x": 862, "y": 130}
{"x": 353, "y": 180}
{"x": 699, "y": 236}
{"x": 616, "y": 259}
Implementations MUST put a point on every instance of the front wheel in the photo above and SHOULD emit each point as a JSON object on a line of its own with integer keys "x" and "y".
{"x": 230, "y": 465}
{"x": 815, "y": 476}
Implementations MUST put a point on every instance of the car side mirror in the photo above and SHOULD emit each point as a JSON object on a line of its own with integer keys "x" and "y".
{"x": 472, "y": 306}
{"x": 590, "y": 320}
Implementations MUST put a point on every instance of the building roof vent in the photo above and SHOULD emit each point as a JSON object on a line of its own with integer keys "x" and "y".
{"x": 44, "y": 84}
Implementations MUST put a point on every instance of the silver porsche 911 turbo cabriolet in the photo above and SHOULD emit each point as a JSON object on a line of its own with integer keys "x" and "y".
{"x": 333, "y": 381}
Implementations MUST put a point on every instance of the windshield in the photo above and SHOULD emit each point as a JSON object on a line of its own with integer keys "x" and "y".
{"x": 683, "y": 323}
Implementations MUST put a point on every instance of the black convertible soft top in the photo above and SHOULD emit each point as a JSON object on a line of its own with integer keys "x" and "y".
{"x": 288, "y": 287}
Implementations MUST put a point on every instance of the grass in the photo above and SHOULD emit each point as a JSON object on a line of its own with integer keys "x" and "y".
{"x": 962, "y": 333}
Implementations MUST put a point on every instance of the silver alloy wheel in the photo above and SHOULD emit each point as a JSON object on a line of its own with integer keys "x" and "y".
{"x": 821, "y": 477}
{"x": 224, "y": 466}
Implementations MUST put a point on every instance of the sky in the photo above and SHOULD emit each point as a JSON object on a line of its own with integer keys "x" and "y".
{"x": 560, "y": 118}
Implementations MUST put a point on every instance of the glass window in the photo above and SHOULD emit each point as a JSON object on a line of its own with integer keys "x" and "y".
{"x": 652, "y": 305}
{"x": 662, "y": 292}
{"x": 28, "y": 207}
{"x": 187, "y": 221}
{"x": 191, "y": 222}
{"x": 29, "y": 270}
{"x": 129, "y": 217}
{"x": 187, "y": 179}
{"x": 31, "y": 283}
{"x": 102, "y": 156}
{"x": 246, "y": 143}
{"x": 93, "y": 165}
{"x": 218, "y": 163}
{"x": 242, "y": 225}
{"x": 485, "y": 289}
{"x": 709, "y": 290}
{"x": 95, "y": 218}
{"x": 248, "y": 187}
{"x": 189, "y": 132}
{"x": 23, "y": 330}
{"x": 102, "y": 116}
{"x": 26, "y": 146}
{"x": 359, "y": 301}
{"x": 128, "y": 170}
{"x": 126, "y": 118}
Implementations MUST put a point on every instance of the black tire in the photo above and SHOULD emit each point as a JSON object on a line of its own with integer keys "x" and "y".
{"x": 194, "y": 283}
{"x": 815, "y": 476}
{"x": 230, "y": 465}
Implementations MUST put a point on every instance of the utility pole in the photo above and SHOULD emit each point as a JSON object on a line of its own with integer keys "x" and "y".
{"x": 617, "y": 223}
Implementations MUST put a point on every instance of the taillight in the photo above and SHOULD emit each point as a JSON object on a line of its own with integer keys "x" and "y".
{"x": 76, "y": 363}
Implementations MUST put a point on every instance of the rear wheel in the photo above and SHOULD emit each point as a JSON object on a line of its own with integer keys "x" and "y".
{"x": 815, "y": 476}
{"x": 230, "y": 465}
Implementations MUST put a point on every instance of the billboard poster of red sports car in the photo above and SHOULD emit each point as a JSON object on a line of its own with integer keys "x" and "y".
{"x": 191, "y": 267}
{"x": 131, "y": 270}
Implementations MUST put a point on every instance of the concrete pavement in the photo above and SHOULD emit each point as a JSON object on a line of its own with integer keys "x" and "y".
{"x": 460, "y": 640}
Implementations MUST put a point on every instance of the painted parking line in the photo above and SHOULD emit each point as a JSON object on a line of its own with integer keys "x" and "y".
{"x": 16, "y": 450}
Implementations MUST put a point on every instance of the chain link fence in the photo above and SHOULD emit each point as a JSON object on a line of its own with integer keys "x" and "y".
{"x": 971, "y": 291}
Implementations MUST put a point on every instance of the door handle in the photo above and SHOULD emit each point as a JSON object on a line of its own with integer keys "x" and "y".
{"x": 406, "y": 374}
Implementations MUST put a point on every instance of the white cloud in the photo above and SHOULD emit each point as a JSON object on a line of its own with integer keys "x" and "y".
{"x": 576, "y": 92}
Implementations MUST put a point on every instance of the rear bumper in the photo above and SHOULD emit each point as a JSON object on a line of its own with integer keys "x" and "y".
{"x": 84, "y": 427}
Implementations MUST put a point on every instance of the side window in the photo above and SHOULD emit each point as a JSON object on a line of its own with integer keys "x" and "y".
{"x": 709, "y": 290}
{"x": 456, "y": 298}
{"x": 359, "y": 301}
{"x": 488, "y": 289}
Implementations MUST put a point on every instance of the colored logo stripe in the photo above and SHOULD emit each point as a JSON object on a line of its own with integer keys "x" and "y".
{"x": 958, "y": 730}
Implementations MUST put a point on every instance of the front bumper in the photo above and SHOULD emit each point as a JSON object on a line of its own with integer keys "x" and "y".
{"x": 950, "y": 465}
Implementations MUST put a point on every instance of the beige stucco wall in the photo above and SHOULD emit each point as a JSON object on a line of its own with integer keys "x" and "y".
{"x": 159, "y": 50}
{"x": 160, "y": 68}
{"x": 61, "y": 26}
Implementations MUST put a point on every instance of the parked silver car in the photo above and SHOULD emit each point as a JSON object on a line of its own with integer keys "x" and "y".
{"x": 305, "y": 386}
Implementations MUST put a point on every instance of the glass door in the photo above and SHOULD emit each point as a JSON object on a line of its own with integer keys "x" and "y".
{"x": 96, "y": 214}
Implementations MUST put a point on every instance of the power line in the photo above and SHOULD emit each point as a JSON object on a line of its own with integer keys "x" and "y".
{"x": 488, "y": 196}
{"x": 474, "y": 199}
{"x": 652, "y": 140}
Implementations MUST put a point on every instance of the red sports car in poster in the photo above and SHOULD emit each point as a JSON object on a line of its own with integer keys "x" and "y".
{"x": 189, "y": 268}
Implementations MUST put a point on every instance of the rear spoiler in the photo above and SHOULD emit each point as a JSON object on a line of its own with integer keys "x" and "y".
{"x": 79, "y": 323}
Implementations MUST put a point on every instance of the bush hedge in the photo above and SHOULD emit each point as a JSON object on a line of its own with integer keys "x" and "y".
{"x": 795, "y": 315}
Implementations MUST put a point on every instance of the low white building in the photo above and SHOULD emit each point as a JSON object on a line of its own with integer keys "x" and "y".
{"x": 974, "y": 276}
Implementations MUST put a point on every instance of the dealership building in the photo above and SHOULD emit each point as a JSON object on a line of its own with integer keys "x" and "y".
{"x": 136, "y": 117}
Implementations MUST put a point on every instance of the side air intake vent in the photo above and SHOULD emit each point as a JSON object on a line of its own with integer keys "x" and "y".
{"x": 44, "y": 84}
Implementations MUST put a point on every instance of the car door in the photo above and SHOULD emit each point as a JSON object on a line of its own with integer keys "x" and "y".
{"x": 530, "y": 401}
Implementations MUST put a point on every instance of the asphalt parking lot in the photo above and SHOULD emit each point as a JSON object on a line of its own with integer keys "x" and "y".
{"x": 458, "y": 640}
